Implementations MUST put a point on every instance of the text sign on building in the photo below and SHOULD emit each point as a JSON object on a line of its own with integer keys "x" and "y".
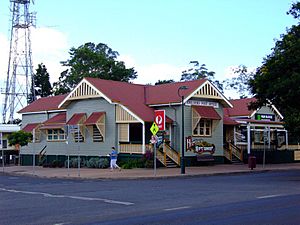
{"x": 160, "y": 119}
{"x": 202, "y": 103}
{"x": 267, "y": 117}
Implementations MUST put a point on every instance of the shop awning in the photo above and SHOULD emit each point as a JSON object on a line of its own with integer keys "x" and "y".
{"x": 30, "y": 126}
{"x": 207, "y": 112}
{"x": 229, "y": 121}
{"x": 94, "y": 118}
{"x": 75, "y": 119}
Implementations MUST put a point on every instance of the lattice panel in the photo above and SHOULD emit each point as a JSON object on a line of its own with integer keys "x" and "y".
{"x": 84, "y": 91}
{"x": 122, "y": 116}
{"x": 208, "y": 91}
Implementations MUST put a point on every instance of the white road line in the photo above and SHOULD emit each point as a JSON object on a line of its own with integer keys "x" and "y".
{"x": 48, "y": 195}
{"x": 269, "y": 196}
{"x": 178, "y": 208}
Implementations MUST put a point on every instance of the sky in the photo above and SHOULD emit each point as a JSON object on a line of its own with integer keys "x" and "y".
{"x": 158, "y": 38}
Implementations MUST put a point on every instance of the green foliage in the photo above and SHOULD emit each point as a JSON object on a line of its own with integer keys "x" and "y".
{"x": 96, "y": 162}
{"x": 90, "y": 60}
{"x": 200, "y": 72}
{"x": 278, "y": 79}
{"x": 19, "y": 138}
{"x": 73, "y": 162}
{"x": 92, "y": 162}
{"x": 103, "y": 163}
{"x": 42, "y": 84}
{"x": 241, "y": 82}
{"x": 164, "y": 82}
{"x": 132, "y": 163}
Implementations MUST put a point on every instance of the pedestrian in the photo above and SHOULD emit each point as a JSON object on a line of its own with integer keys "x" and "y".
{"x": 113, "y": 159}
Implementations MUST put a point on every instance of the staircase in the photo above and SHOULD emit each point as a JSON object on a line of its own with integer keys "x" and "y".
{"x": 233, "y": 153}
{"x": 168, "y": 156}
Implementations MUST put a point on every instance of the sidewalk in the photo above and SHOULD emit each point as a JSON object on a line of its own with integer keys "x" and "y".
{"x": 140, "y": 173}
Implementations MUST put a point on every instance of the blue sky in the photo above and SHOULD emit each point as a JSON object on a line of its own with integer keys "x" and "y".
{"x": 157, "y": 37}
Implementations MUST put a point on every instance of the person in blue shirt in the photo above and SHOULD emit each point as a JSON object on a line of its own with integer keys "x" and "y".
{"x": 113, "y": 159}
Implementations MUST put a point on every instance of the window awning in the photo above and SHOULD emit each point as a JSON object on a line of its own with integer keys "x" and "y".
{"x": 56, "y": 122}
{"x": 94, "y": 118}
{"x": 52, "y": 126}
{"x": 30, "y": 126}
{"x": 207, "y": 112}
{"x": 75, "y": 119}
{"x": 168, "y": 120}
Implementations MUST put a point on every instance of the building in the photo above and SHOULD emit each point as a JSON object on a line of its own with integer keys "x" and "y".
{"x": 98, "y": 114}
{"x": 247, "y": 130}
{"x": 10, "y": 154}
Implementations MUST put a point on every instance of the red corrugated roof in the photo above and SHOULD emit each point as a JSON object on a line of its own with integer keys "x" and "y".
{"x": 93, "y": 118}
{"x": 168, "y": 93}
{"x": 76, "y": 117}
{"x": 240, "y": 107}
{"x": 229, "y": 121}
{"x": 134, "y": 97}
{"x": 44, "y": 104}
{"x": 30, "y": 126}
{"x": 207, "y": 112}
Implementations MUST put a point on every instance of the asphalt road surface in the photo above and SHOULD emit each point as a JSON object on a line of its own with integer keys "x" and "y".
{"x": 256, "y": 198}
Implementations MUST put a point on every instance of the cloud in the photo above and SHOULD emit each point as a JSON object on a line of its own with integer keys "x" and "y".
{"x": 50, "y": 47}
{"x": 3, "y": 56}
{"x": 151, "y": 73}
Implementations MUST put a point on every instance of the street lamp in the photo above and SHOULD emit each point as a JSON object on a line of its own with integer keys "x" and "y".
{"x": 182, "y": 161}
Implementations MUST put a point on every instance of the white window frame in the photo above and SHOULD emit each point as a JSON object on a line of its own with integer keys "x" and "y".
{"x": 207, "y": 126}
{"x": 56, "y": 135}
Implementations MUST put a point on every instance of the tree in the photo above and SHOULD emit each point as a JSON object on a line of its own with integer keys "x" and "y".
{"x": 42, "y": 85}
{"x": 19, "y": 138}
{"x": 90, "y": 60}
{"x": 200, "y": 72}
{"x": 278, "y": 79}
{"x": 240, "y": 83}
{"x": 164, "y": 82}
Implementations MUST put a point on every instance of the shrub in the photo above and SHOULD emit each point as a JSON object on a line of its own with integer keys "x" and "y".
{"x": 92, "y": 163}
{"x": 133, "y": 163}
{"x": 74, "y": 162}
{"x": 103, "y": 163}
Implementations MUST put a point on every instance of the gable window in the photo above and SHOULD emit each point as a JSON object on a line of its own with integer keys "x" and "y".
{"x": 56, "y": 135}
{"x": 203, "y": 128}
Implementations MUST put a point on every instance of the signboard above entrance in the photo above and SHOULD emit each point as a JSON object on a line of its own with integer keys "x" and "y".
{"x": 267, "y": 117}
{"x": 203, "y": 103}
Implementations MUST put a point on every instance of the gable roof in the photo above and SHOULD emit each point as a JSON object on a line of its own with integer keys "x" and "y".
{"x": 44, "y": 104}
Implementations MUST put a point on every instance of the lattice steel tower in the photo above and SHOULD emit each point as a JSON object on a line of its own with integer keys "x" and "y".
{"x": 19, "y": 82}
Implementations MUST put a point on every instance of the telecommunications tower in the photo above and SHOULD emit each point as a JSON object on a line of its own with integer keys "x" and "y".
{"x": 19, "y": 83}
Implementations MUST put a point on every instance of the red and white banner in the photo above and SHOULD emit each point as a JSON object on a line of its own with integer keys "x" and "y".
{"x": 160, "y": 119}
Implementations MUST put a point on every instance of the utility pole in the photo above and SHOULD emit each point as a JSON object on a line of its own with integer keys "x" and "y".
{"x": 19, "y": 84}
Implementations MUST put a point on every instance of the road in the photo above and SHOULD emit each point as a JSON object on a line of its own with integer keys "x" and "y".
{"x": 256, "y": 198}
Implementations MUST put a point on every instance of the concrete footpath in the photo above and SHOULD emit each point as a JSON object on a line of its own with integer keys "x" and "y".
{"x": 141, "y": 173}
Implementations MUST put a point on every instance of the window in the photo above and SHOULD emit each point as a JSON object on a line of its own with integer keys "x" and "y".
{"x": 203, "y": 128}
{"x": 56, "y": 135}
{"x": 97, "y": 136}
